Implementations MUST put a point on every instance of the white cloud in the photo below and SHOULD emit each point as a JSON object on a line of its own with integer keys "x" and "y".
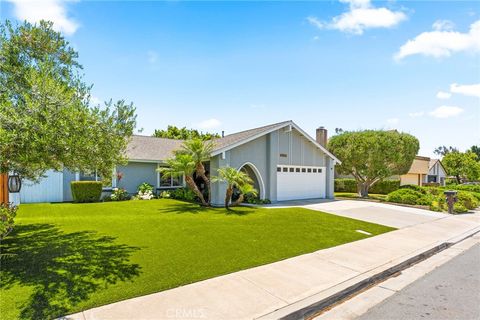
{"x": 53, "y": 10}
{"x": 442, "y": 42}
{"x": 416, "y": 114}
{"x": 362, "y": 15}
{"x": 209, "y": 124}
{"x": 393, "y": 121}
{"x": 152, "y": 56}
{"x": 443, "y": 25}
{"x": 443, "y": 95}
{"x": 446, "y": 112}
{"x": 466, "y": 89}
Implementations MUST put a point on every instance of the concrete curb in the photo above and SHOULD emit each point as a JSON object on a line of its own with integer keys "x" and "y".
{"x": 317, "y": 307}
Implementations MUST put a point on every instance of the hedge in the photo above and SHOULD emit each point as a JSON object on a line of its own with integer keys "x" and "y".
{"x": 381, "y": 187}
{"x": 86, "y": 191}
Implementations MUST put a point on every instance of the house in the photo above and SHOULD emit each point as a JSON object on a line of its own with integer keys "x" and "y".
{"x": 284, "y": 162}
{"x": 424, "y": 170}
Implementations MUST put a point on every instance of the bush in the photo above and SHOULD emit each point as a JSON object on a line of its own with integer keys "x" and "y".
{"x": 86, "y": 191}
{"x": 385, "y": 186}
{"x": 414, "y": 187}
{"x": 119, "y": 194}
{"x": 459, "y": 208}
{"x": 7, "y": 214}
{"x": 467, "y": 200}
{"x": 407, "y": 196}
{"x": 381, "y": 187}
{"x": 145, "y": 191}
{"x": 182, "y": 194}
{"x": 466, "y": 187}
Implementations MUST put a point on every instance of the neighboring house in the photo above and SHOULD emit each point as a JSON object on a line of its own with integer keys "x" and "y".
{"x": 284, "y": 162}
{"x": 424, "y": 170}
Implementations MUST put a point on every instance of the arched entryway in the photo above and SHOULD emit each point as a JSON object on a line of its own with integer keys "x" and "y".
{"x": 254, "y": 174}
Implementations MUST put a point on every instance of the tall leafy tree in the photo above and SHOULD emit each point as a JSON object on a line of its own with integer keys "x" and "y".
{"x": 174, "y": 132}
{"x": 46, "y": 121}
{"x": 201, "y": 152}
{"x": 462, "y": 165}
{"x": 476, "y": 150}
{"x": 443, "y": 150}
{"x": 234, "y": 179}
{"x": 372, "y": 155}
{"x": 183, "y": 165}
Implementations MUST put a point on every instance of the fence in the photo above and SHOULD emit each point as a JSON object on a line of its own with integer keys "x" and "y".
{"x": 3, "y": 188}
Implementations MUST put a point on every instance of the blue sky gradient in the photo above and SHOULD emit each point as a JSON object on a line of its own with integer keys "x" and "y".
{"x": 236, "y": 65}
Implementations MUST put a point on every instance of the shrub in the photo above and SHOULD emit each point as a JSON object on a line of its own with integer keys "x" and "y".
{"x": 119, "y": 194}
{"x": 406, "y": 196}
{"x": 345, "y": 185}
{"x": 86, "y": 191}
{"x": 467, "y": 200}
{"x": 183, "y": 194}
{"x": 7, "y": 214}
{"x": 165, "y": 194}
{"x": 381, "y": 187}
{"x": 466, "y": 187}
{"x": 459, "y": 208}
{"x": 145, "y": 191}
{"x": 385, "y": 186}
{"x": 414, "y": 187}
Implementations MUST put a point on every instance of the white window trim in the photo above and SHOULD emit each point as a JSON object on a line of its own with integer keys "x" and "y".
{"x": 159, "y": 186}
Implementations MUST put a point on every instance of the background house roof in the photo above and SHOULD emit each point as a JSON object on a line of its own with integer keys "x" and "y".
{"x": 420, "y": 165}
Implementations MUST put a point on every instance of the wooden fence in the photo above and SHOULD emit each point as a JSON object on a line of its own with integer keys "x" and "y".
{"x": 3, "y": 188}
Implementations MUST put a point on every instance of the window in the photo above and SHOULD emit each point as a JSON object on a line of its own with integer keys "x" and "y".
{"x": 304, "y": 170}
{"x": 279, "y": 169}
{"x": 314, "y": 170}
{"x": 167, "y": 181}
{"x": 285, "y": 169}
{"x": 292, "y": 169}
{"x": 297, "y": 169}
{"x": 309, "y": 170}
{"x": 319, "y": 170}
{"x": 88, "y": 176}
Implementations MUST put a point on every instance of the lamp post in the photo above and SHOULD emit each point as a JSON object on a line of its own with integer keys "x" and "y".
{"x": 14, "y": 183}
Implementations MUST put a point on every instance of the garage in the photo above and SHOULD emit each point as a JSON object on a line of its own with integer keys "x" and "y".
{"x": 48, "y": 189}
{"x": 300, "y": 182}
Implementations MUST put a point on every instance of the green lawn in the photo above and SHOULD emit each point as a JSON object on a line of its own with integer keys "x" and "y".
{"x": 351, "y": 195}
{"x": 63, "y": 258}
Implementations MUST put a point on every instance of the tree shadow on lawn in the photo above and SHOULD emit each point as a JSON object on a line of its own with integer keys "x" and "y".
{"x": 64, "y": 269}
{"x": 195, "y": 208}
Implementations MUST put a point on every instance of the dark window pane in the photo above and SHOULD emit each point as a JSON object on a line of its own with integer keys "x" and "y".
{"x": 303, "y": 170}
{"x": 314, "y": 170}
{"x": 297, "y": 169}
{"x": 309, "y": 170}
{"x": 291, "y": 169}
{"x": 279, "y": 169}
{"x": 285, "y": 169}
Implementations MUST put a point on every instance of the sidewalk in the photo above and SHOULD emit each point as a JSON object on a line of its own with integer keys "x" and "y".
{"x": 278, "y": 289}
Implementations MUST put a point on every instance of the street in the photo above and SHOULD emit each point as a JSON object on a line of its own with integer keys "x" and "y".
{"x": 452, "y": 291}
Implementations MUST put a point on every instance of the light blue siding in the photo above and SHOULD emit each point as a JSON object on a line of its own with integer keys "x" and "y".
{"x": 136, "y": 173}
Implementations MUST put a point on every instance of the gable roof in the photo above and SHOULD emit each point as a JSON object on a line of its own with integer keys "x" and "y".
{"x": 146, "y": 148}
{"x": 433, "y": 162}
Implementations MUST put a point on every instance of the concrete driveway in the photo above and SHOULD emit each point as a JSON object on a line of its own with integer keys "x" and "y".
{"x": 384, "y": 214}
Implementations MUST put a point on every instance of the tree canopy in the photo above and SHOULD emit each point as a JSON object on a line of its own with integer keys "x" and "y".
{"x": 462, "y": 165}
{"x": 372, "y": 155}
{"x": 174, "y": 132}
{"x": 443, "y": 150}
{"x": 46, "y": 120}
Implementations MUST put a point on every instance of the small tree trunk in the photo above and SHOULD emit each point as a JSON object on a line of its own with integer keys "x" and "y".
{"x": 459, "y": 180}
{"x": 194, "y": 187}
{"x": 239, "y": 200}
{"x": 362, "y": 189}
{"x": 228, "y": 196}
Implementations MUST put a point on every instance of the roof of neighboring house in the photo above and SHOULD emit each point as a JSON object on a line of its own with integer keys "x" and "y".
{"x": 146, "y": 148}
{"x": 420, "y": 165}
{"x": 433, "y": 162}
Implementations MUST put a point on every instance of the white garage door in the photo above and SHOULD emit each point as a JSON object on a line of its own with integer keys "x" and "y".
{"x": 300, "y": 182}
{"x": 49, "y": 189}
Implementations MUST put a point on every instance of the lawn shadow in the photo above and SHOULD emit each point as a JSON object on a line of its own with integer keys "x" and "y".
{"x": 239, "y": 211}
{"x": 64, "y": 269}
{"x": 185, "y": 207}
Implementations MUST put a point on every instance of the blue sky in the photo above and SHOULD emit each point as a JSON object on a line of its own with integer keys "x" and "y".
{"x": 351, "y": 64}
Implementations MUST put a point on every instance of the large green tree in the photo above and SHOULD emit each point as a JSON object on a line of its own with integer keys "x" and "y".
{"x": 462, "y": 165}
{"x": 372, "y": 155}
{"x": 174, "y": 132}
{"x": 46, "y": 120}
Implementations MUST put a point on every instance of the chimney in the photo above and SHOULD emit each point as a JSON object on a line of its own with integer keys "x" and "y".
{"x": 321, "y": 136}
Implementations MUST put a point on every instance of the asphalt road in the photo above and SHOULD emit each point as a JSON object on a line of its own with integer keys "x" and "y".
{"x": 452, "y": 291}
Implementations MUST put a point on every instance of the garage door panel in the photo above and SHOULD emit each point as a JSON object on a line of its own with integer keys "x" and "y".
{"x": 301, "y": 185}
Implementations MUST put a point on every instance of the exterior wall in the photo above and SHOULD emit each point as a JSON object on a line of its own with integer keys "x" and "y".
{"x": 266, "y": 153}
{"x": 437, "y": 172}
{"x": 410, "y": 178}
{"x": 68, "y": 176}
{"x": 135, "y": 173}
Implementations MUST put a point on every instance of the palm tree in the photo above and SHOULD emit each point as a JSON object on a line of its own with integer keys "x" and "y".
{"x": 200, "y": 151}
{"x": 183, "y": 165}
{"x": 244, "y": 190}
{"x": 233, "y": 178}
